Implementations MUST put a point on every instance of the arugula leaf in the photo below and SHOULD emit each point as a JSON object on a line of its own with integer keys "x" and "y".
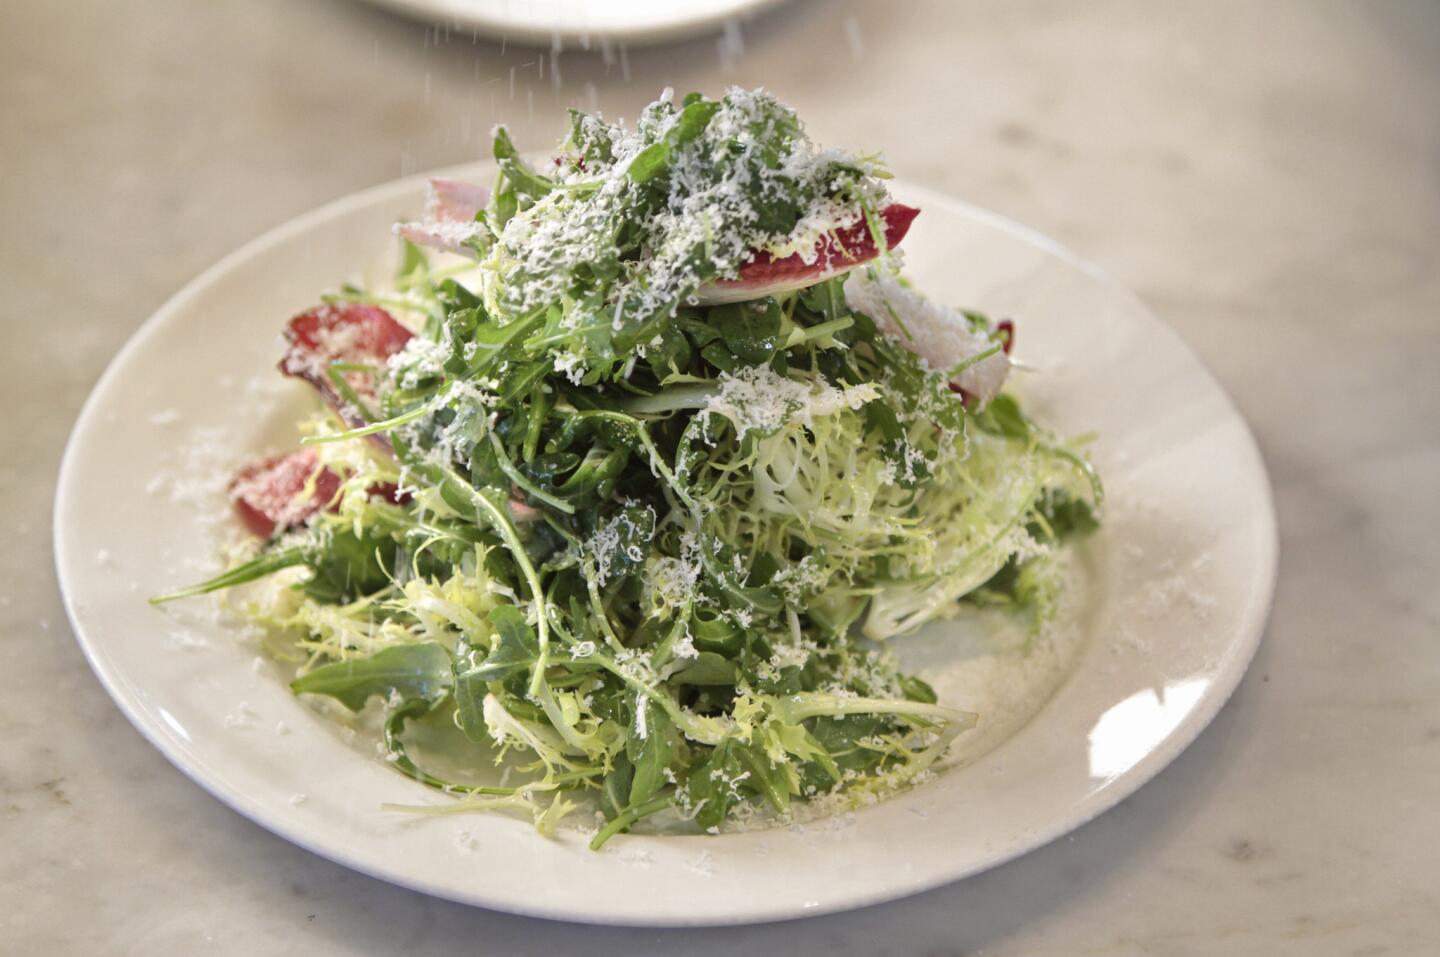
{"x": 693, "y": 119}
{"x": 715, "y": 785}
{"x": 751, "y": 330}
{"x": 526, "y": 181}
{"x": 651, "y": 754}
{"x": 346, "y": 566}
{"x": 514, "y": 652}
{"x": 412, "y": 671}
{"x": 1066, "y": 514}
{"x": 622, "y": 541}
{"x": 1003, "y": 417}
{"x": 769, "y": 777}
{"x": 515, "y": 649}
{"x": 707, "y": 668}
{"x": 261, "y": 566}
{"x": 615, "y": 791}
{"x": 649, "y": 162}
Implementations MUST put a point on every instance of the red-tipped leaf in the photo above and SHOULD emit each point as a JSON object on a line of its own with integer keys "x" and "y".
{"x": 270, "y": 494}
{"x": 351, "y": 334}
{"x": 449, "y": 216}
{"x": 844, "y": 249}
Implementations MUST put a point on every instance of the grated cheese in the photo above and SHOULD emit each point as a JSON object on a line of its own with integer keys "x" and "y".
{"x": 758, "y": 399}
{"x": 942, "y": 337}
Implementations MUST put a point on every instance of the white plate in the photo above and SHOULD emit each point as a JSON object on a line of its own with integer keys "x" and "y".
{"x": 1173, "y": 605}
{"x": 581, "y": 21}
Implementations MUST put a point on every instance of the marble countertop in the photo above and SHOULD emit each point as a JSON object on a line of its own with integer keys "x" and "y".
{"x": 1265, "y": 176}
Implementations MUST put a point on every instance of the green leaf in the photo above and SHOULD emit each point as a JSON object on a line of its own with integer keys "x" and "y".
{"x": 751, "y": 330}
{"x": 504, "y": 204}
{"x": 653, "y": 753}
{"x": 622, "y": 542}
{"x": 455, "y": 297}
{"x": 653, "y": 159}
{"x": 1067, "y": 515}
{"x": 599, "y": 465}
{"x": 347, "y": 566}
{"x": 672, "y": 354}
{"x": 470, "y": 692}
{"x": 625, "y": 820}
{"x": 615, "y": 792}
{"x": 514, "y": 651}
{"x": 719, "y": 356}
{"x": 515, "y": 648}
{"x": 412, "y": 671}
{"x": 692, "y": 121}
{"x": 525, "y": 180}
{"x": 1003, "y": 417}
{"x": 707, "y": 668}
{"x": 265, "y": 564}
{"x": 917, "y": 690}
{"x": 769, "y": 778}
{"x": 825, "y": 299}
{"x": 493, "y": 342}
{"x": 649, "y": 162}
{"x": 412, "y": 260}
{"x": 838, "y": 736}
{"x": 700, "y": 332}
{"x": 911, "y": 467}
{"x": 718, "y": 558}
{"x": 503, "y": 146}
{"x": 716, "y": 633}
{"x": 715, "y": 785}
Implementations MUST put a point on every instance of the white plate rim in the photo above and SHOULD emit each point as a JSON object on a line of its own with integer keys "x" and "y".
{"x": 1225, "y": 678}
{"x": 538, "y": 29}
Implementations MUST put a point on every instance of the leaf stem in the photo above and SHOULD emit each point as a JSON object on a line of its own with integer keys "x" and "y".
{"x": 516, "y": 476}
{"x": 496, "y": 518}
{"x": 628, "y": 817}
{"x": 419, "y": 412}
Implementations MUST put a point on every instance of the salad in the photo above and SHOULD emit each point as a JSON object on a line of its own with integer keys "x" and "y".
{"x": 626, "y": 483}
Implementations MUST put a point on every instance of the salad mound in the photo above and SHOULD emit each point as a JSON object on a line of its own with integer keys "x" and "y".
{"x": 630, "y": 496}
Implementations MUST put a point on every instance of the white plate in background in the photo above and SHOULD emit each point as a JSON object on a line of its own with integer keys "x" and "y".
{"x": 541, "y": 22}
